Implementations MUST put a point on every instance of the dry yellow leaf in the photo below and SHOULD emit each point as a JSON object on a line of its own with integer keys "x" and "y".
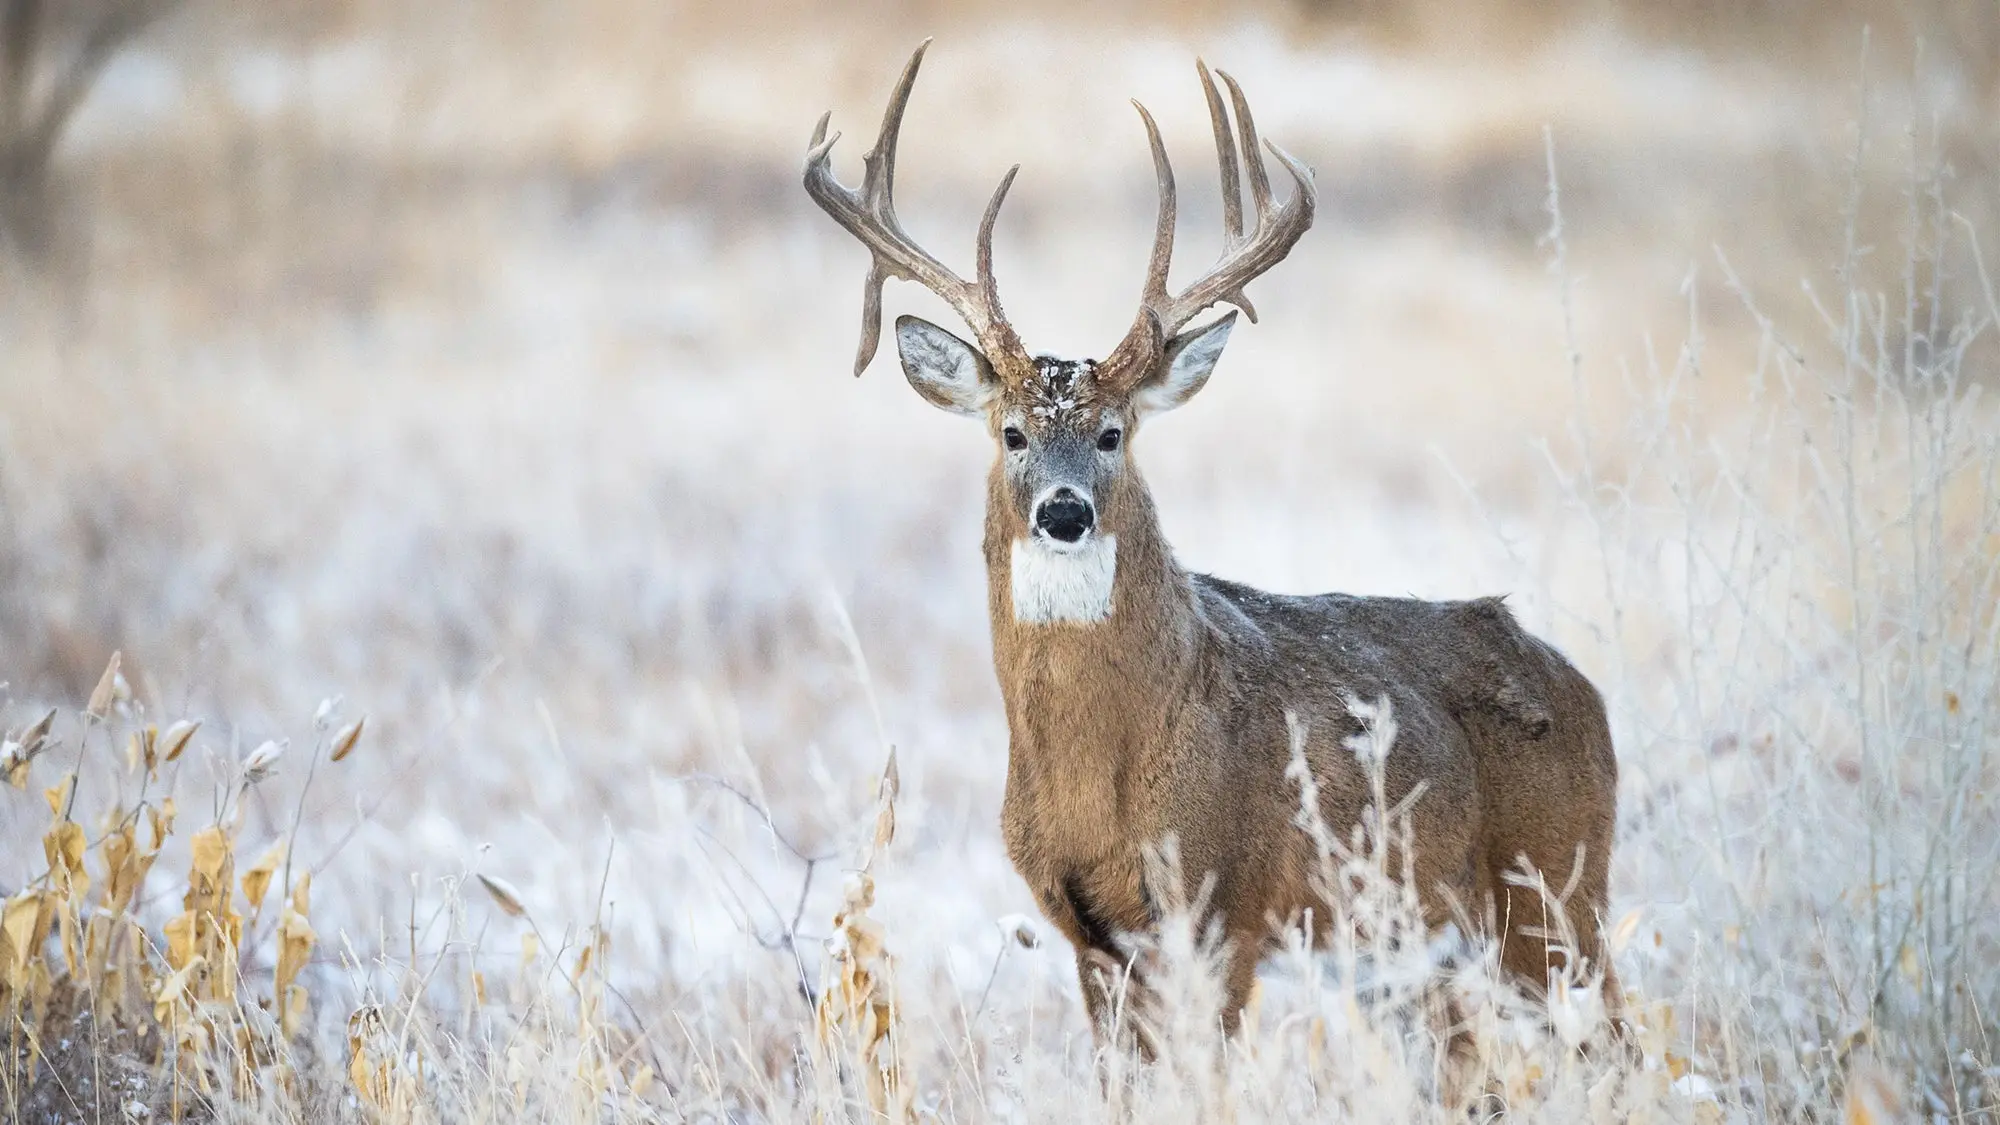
{"x": 161, "y": 817}
{"x": 96, "y": 948}
{"x": 257, "y": 880}
{"x": 57, "y": 795}
{"x": 180, "y": 931}
{"x": 212, "y": 855}
{"x": 22, "y": 930}
{"x": 369, "y": 1077}
{"x": 125, "y": 866}
{"x": 173, "y": 989}
{"x": 64, "y": 848}
{"x": 295, "y": 935}
{"x": 866, "y": 938}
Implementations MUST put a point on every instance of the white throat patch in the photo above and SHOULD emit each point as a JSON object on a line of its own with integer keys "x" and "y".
{"x": 1063, "y": 585}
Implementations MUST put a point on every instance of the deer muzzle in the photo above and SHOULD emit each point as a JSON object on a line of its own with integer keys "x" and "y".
{"x": 1064, "y": 515}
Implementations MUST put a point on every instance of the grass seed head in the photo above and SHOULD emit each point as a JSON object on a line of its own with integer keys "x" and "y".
{"x": 17, "y": 753}
{"x": 37, "y": 731}
{"x": 1020, "y": 931}
{"x": 345, "y": 739}
{"x": 504, "y": 895}
{"x": 327, "y": 711}
{"x": 263, "y": 760}
{"x": 175, "y": 739}
{"x": 106, "y": 691}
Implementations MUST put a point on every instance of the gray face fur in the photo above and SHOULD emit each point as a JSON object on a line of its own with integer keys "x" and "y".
{"x": 1063, "y": 430}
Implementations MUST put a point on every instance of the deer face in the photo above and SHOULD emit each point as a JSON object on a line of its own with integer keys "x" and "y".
{"x": 1063, "y": 427}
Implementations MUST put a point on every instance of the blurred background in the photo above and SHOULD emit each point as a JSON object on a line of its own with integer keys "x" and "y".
{"x": 482, "y": 362}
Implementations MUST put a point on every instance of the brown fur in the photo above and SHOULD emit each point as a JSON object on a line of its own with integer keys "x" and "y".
{"x": 1167, "y": 721}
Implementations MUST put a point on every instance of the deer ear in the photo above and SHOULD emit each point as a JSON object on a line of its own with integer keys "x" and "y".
{"x": 947, "y": 371}
{"x": 1190, "y": 358}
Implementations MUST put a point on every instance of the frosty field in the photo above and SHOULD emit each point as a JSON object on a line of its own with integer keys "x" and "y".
{"x": 481, "y": 370}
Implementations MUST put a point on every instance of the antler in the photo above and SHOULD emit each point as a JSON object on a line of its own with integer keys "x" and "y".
{"x": 870, "y": 216}
{"x": 1278, "y": 229}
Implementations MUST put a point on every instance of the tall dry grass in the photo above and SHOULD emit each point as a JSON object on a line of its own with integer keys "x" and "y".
{"x": 515, "y": 413}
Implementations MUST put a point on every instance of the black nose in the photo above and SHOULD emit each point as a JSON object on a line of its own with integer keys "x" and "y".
{"x": 1065, "y": 516}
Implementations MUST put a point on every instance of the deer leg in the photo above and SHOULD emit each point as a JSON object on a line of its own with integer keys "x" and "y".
{"x": 1112, "y": 993}
{"x": 1111, "y": 984}
{"x": 1241, "y": 977}
{"x": 1538, "y": 936}
{"x": 1458, "y": 1067}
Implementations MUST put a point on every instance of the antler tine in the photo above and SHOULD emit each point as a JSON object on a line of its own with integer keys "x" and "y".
{"x": 1245, "y": 256}
{"x": 878, "y": 176}
{"x": 1225, "y": 156}
{"x": 870, "y": 216}
{"x": 989, "y": 288}
{"x": 1154, "y": 292}
{"x": 1260, "y": 184}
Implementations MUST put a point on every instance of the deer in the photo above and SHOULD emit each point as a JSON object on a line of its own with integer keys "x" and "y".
{"x": 1146, "y": 704}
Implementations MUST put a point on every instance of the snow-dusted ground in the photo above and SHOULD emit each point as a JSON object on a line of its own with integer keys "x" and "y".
{"x": 504, "y": 393}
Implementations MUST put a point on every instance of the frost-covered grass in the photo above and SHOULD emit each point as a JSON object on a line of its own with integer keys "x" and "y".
{"x": 501, "y": 394}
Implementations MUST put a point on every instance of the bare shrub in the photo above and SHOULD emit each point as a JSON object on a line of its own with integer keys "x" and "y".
{"x": 50, "y": 57}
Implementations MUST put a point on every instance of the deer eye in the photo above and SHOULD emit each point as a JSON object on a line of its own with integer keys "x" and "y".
{"x": 1014, "y": 438}
{"x": 1109, "y": 439}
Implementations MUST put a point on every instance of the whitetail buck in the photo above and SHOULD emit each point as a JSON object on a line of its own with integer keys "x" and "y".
{"x": 1145, "y": 703}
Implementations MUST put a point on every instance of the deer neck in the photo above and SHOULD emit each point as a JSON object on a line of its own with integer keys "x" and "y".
{"x": 1087, "y": 645}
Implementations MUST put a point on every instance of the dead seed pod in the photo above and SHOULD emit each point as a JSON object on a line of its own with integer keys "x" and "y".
{"x": 18, "y": 752}
{"x": 328, "y": 711}
{"x": 32, "y": 738}
{"x": 176, "y": 738}
{"x": 346, "y": 737}
{"x": 504, "y": 895}
{"x": 263, "y": 760}
{"x": 106, "y": 691}
{"x": 14, "y": 759}
{"x": 1020, "y": 931}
